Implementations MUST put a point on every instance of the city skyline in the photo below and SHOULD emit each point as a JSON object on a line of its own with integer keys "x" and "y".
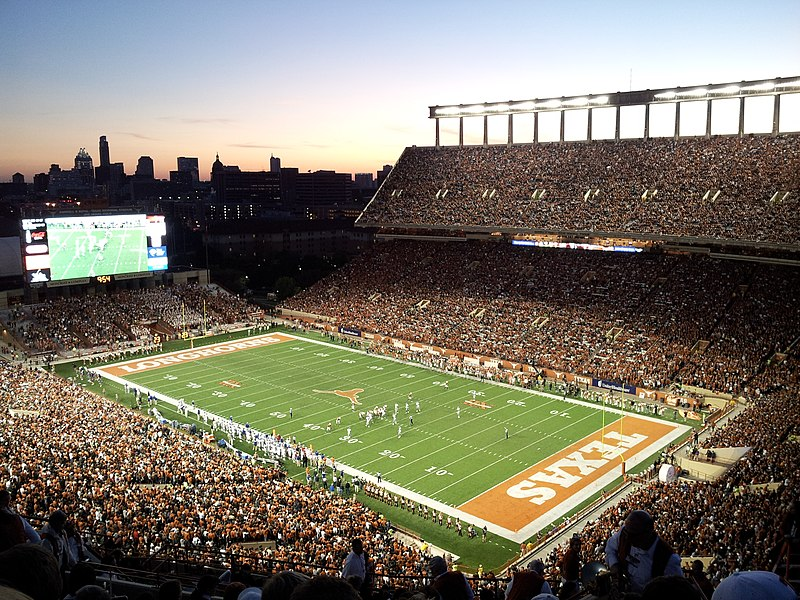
{"x": 342, "y": 87}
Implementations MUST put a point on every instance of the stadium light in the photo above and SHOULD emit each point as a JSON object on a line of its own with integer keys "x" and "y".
{"x": 448, "y": 110}
{"x": 631, "y": 98}
{"x": 767, "y": 86}
{"x": 475, "y": 109}
{"x": 696, "y": 93}
{"x": 576, "y": 102}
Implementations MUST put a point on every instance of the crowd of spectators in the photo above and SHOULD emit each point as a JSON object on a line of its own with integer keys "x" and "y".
{"x": 601, "y": 185}
{"x": 145, "y": 489}
{"x": 123, "y": 317}
{"x": 136, "y": 487}
{"x": 647, "y": 320}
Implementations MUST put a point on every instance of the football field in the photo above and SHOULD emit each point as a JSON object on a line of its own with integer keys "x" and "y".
{"x": 488, "y": 453}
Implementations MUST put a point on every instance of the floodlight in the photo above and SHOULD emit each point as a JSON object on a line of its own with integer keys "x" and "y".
{"x": 447, "y": 110}
{"x": 760, "y": 87}
{"x": 697, "y": 93}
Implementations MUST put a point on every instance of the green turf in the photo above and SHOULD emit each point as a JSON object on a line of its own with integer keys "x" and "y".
{"x": 441, "y": 456}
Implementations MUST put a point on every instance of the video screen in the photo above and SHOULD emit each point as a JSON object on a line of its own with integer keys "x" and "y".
{"x": 60, "y": 248}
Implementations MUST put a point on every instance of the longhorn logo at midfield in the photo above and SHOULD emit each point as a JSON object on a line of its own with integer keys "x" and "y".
{"x": 351, "y": 395}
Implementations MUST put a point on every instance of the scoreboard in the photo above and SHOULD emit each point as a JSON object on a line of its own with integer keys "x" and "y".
{"x": 79, "y": 248}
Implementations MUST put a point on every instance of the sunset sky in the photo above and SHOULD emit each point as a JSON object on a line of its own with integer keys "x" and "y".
{"x": 341, "y": 85}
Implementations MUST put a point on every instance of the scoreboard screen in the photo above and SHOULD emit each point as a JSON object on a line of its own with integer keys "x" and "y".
{"x": 65, "y": 248}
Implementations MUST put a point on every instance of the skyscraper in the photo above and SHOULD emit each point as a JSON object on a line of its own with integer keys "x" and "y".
{"x": 104, "y": 156}
{"x": 189, "y": 165}
{"x": 85, "y": 168}
{"x": 102, "y": 173}
{"x": 144, "y": 168}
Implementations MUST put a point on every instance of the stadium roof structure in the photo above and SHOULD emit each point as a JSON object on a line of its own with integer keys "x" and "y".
{"x": 776, "y": 87}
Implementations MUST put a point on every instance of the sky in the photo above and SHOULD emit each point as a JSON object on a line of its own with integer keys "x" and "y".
{"x": 344, "y": 85}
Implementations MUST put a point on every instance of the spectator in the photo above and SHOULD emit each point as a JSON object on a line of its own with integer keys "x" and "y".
{"x": 281, "y": 585}
{"x": 32, "y": 570}
{"x": 698, "y": 576}
{"x": 250, "y": 593}
{"x": 171, "y": 589}
{"x": 325, "y": 587}
{"x": 753, "y": 585}
{"x": 528, "y": 582}
{"x": 54, "y": 539}
{"x": 233, "y": 589}
{"x": 636, "y": 554}
{"x": 12, "y": 531}
{"x": 450, "y": 585}
{"x": 570, "y": 563}
{"x": 355, "y": 565}
{"x": 92, "y": 592}
{"x": 670, "y": 587}
{"x": 205, "y": 588}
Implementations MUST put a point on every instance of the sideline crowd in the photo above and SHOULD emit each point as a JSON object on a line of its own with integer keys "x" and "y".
{"x": 645, "y": 320}
{"x": 123, "y": 317}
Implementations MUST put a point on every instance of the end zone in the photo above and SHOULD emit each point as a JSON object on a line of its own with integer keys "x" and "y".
{"x": 552, "y": 488}
{"x": 140, "y": 365}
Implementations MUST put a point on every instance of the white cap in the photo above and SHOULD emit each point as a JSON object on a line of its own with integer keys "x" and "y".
{"x": 753, "y": 585}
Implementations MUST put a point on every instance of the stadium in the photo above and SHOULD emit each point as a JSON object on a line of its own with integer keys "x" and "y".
{"x": 544, "y": 337}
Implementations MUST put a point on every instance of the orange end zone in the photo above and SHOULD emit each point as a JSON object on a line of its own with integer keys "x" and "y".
{"x": 523, "y": 498}
{"x": 183, "y": 356}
